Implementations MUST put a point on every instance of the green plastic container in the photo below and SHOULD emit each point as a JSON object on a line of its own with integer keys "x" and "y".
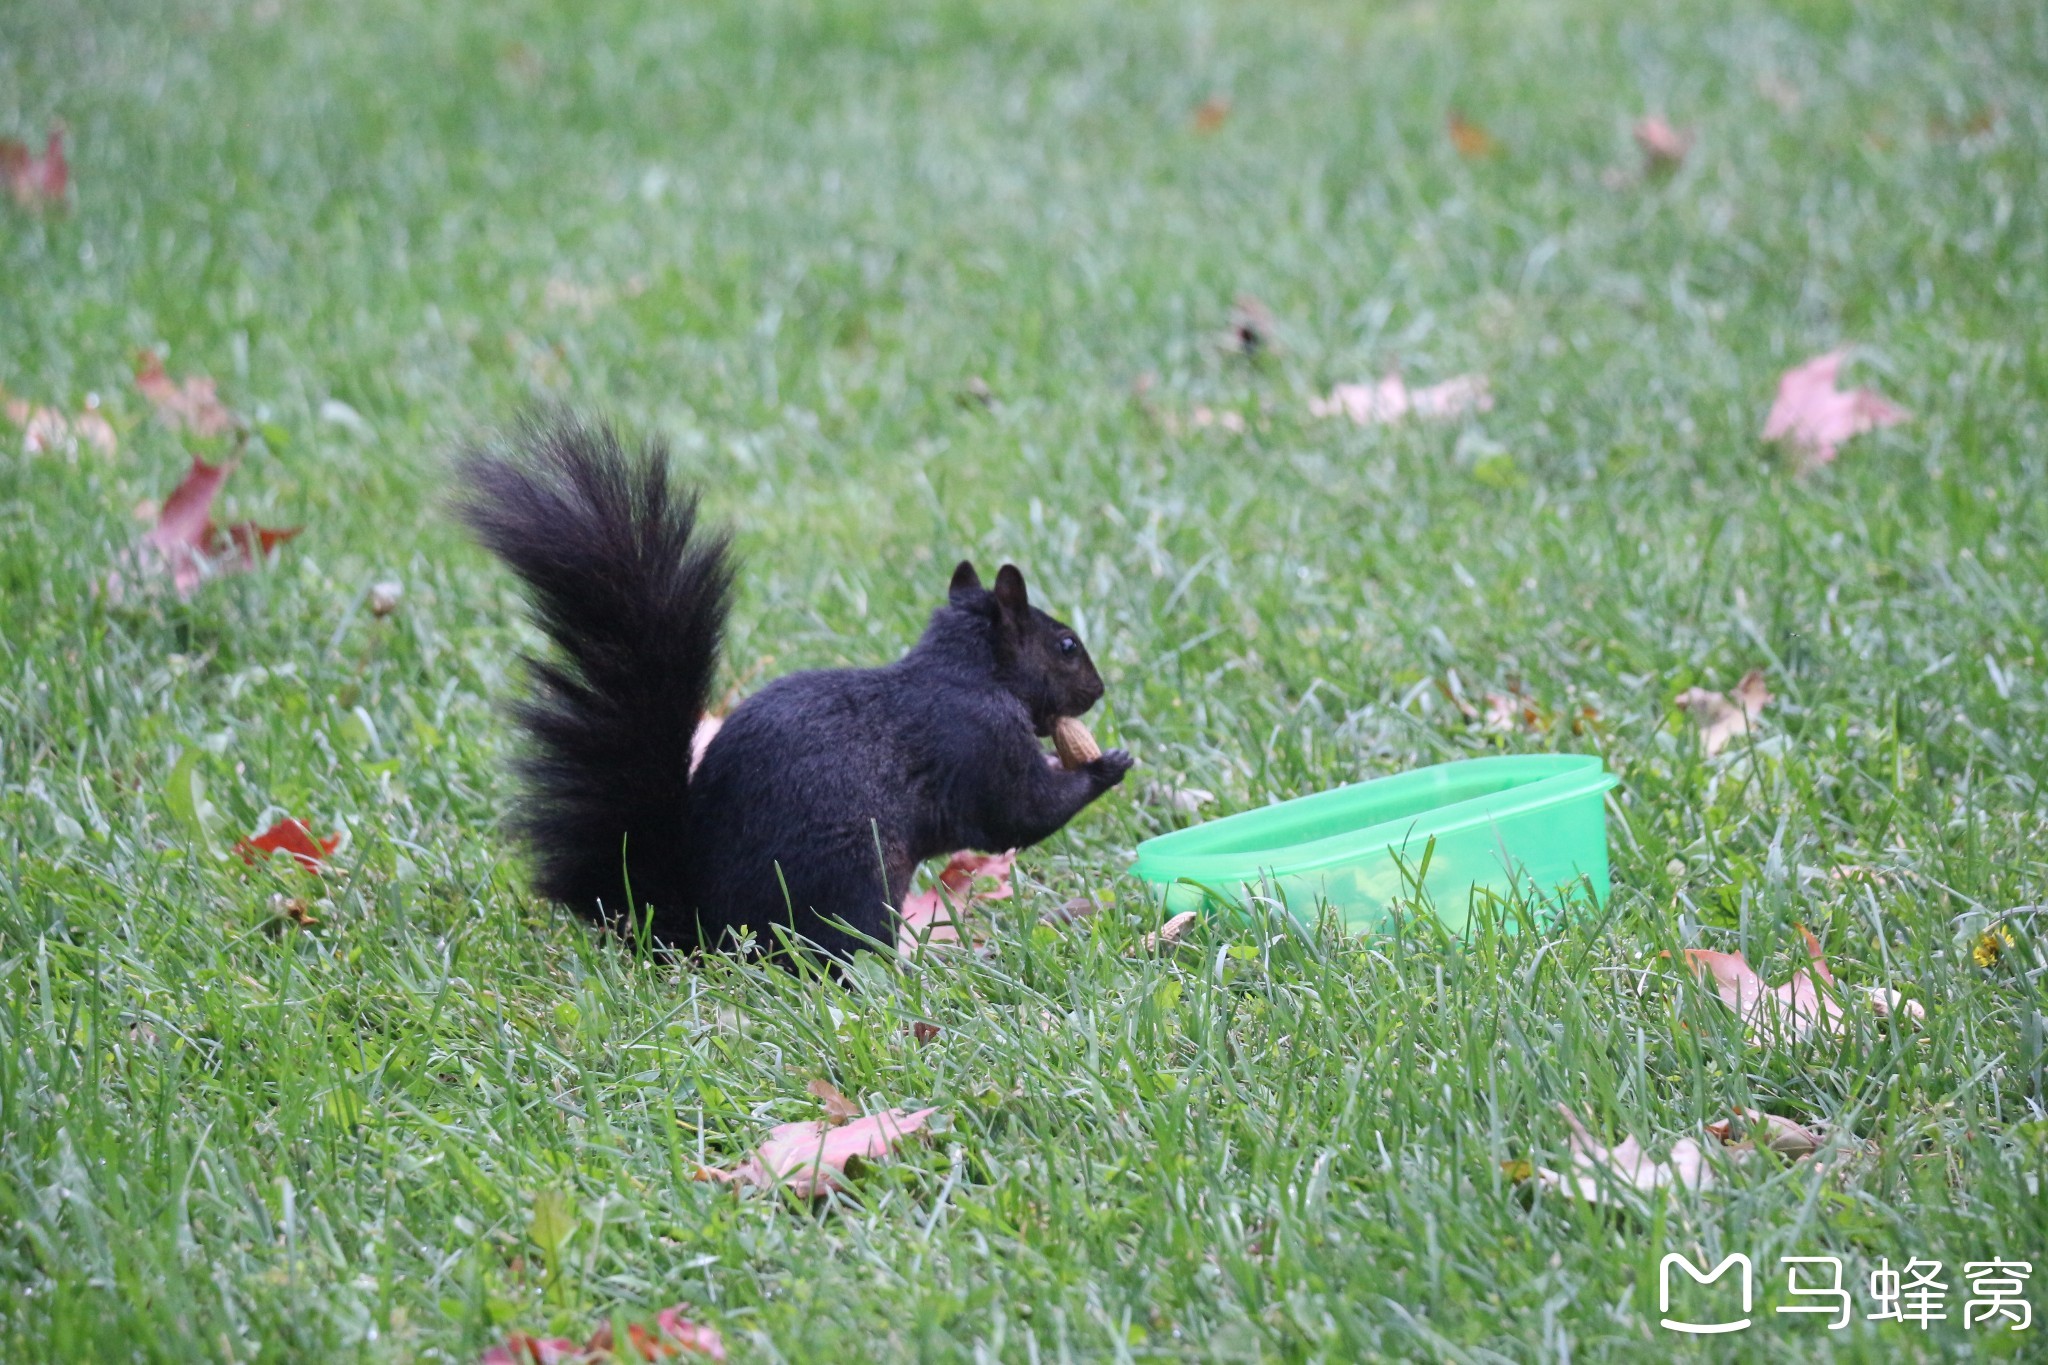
{"x": 1532, "y": 827}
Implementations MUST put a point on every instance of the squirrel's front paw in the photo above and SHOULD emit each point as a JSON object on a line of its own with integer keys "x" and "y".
{"x": 1111, "y": 767}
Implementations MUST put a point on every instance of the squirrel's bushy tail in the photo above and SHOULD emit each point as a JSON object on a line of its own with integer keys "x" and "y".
{"x": 635, "y": 597}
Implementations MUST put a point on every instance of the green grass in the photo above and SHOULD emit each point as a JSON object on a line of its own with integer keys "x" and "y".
{"x": 807, "y": 228}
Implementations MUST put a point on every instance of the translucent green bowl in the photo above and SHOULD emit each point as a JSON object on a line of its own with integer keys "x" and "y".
{"x": 1529, "y": 828}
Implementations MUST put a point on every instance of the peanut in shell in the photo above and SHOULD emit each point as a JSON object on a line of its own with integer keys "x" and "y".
{"x": 1077, "y": 747}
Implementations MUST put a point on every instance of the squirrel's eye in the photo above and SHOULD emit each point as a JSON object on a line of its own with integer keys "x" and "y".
{"x": 1068, "y": 644}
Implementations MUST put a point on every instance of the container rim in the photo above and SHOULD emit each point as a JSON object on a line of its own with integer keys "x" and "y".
{"x": 1570, "y": 776}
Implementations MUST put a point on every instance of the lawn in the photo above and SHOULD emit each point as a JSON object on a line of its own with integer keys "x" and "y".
{"x": 905, "y": 283}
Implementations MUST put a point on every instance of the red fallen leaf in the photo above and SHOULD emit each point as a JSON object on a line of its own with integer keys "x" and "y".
{"x": 1813, "y": 417}
{"x": 691, "y": 1336}
{"x": 34, "y": 181}
{"x": 192, "y": 545}
{"x": 1796, "y": 1009}
{"x": 289, "y": 836}
{"x": 673, "y": 1335}
{"x": 939, "y": 915}
{"x": 521, "y": 1349}
{"x": 190, "y": 403}
{"x": 1472, "y": 141}
{"x": 1391, "y": 399}
{"x": 810, "y": 1157}
{"x": 1663, "y": 146}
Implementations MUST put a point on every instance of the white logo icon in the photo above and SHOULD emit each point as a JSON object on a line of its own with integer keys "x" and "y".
{"x": 1704, "y": 1328}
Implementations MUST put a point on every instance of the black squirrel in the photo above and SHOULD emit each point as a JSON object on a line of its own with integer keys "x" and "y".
{"x": 819, "y": 794}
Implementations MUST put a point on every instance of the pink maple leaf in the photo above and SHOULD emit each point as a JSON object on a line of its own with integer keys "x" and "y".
{"x": 1813, "y": 417}
{"x": 809, "y": 1158}
{"x": 190, "y": 403}
{"x": 940, "y": 914}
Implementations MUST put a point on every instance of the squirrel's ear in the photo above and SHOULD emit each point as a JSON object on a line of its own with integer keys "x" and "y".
{"x": 965, "y": 579}
{"x": 1010, "y": 590}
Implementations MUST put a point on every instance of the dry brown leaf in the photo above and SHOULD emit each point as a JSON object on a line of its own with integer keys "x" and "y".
{"x": 1804, "y": 1005}
{"x": 810, "y": 1158}
{"x": 1211, "y": 114}
{"x": 940, "y": 914}
{"x": 1722, "y": 717}
{"x": 188, "y": 404}
{"x": 1170, "y": 934}
{"x": 1812, "y": 417}
{"x": 1391, "y": 400}
{"x": 1664, "y": 147}
{"x": 1771, "y": 1132}
{"x": 1473, "y": 142}
{"x": 838, "y": 1108}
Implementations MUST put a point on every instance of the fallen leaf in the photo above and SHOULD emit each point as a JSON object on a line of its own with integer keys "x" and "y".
{"x": 1391, "y": 400}
{"x": 924, "y": 1032}
{"x": 809, "y": 1158}
{"x": 838, "y": 1108}
{"x": 189, "y": 542}
{"x": 36, "y": 182}
{"x": 1072, "y": 911}
{"x": 940, "y": 914}
{"x": 1779, "y": 91}
{"x": 189, "y": 404}
{"x": 1228, "y": 419}
{"x": 289, "y": 836}
{"x": 1770, "y": 1132}
{"x": 1185, "y": 800}
{"x": 673, "y": 1335}
{"x": 1812, "y": 417}
{"x": 1507, "y": 712}
{"x": 1472, "y": 141}
{"x": 292, "y": 909}
{"x": 1804, "y": 1005}
{"x": 1211, "y": 114}
{"x": 691, "y": 1336}
{"x": 1664, "y": 147}
{"x": 521, "y": 1349}
{"x": 46, "y": 430}
{"x": 1722, "y": 717}
{"x": 1170, "y": 934}
{"x": 1600, "y": 1174}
